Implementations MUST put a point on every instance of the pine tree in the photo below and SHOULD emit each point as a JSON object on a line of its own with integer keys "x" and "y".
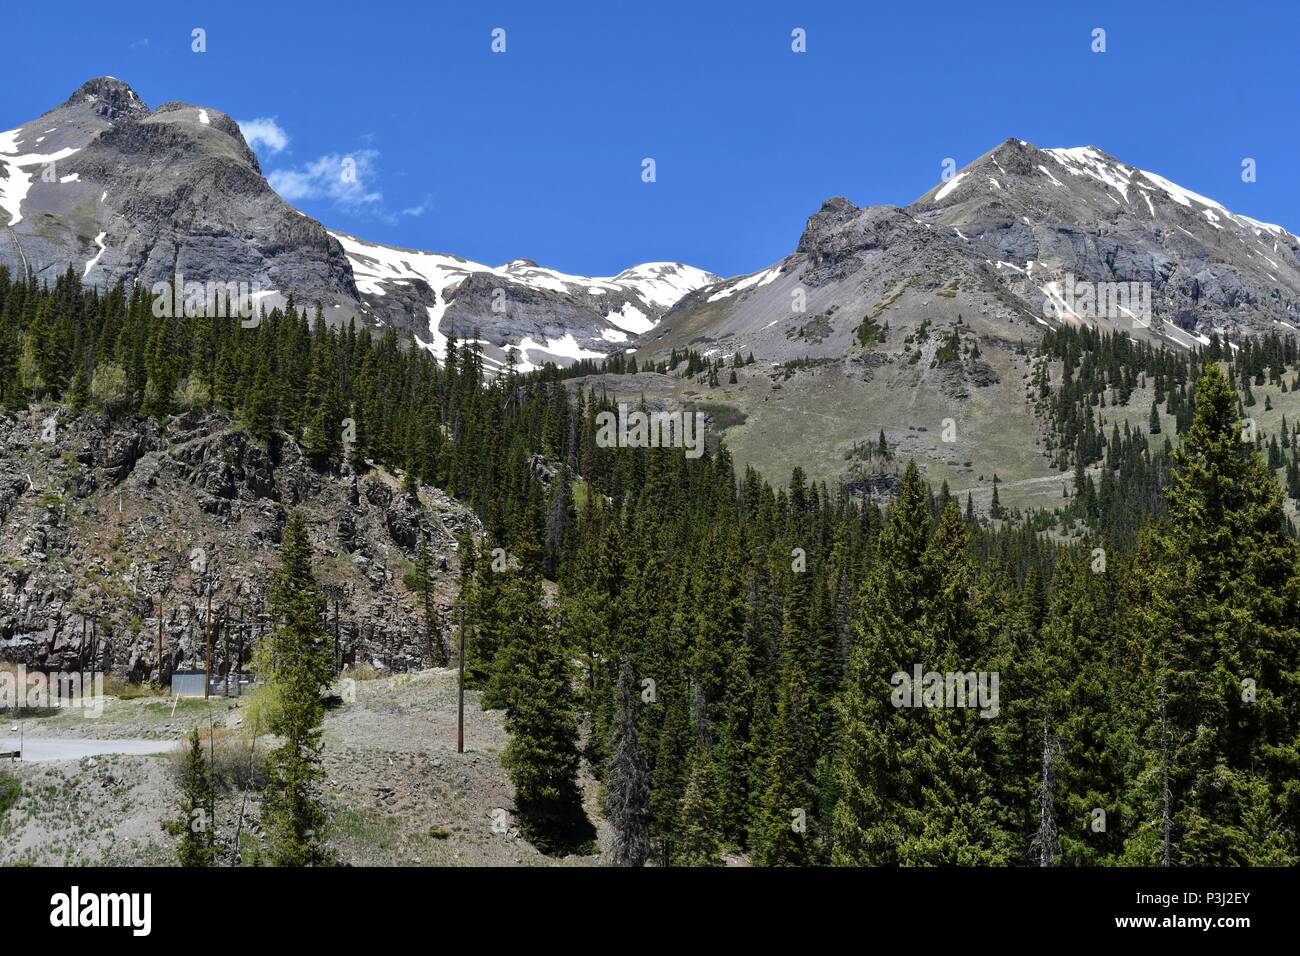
{"x": 627, "y": 778}
{"x": 194, "y": 823}
{"x": 259, "y": 414}
{"x": 1214, "y": 628}
{"x": 426, "y": 577}
{"x": 873, "y": 778}
{"x": 784, "y": 831}
{"x": 668, "y": 777}
{"x": 951, "y": 819}
{"x": 294, "y": 664}
{"x": 79, "y": 396}
{"x": 698, "y": 825}
{"x": 324, "y": 436}
{"x": 542, "y": 753}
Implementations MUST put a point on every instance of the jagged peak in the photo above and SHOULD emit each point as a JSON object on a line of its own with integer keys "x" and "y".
{"x": 834, "y": 213}
{"x": 112, "y": 97}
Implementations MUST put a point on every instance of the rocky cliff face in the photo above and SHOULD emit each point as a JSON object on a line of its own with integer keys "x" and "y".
{"x": 103, "y": 519}
{"x": 117, "y": 191}
{"x": 1009, "y": 238}
{"x": 1042, "y": 216}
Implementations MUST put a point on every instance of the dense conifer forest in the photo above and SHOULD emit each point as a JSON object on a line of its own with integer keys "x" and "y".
{"x": 725, "y": 654}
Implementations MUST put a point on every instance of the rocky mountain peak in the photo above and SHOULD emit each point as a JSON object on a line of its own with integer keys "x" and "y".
{"x": 1012, "y": 156}
{"x": 110, "y": 97}
{"x": 834, "y": 213}
{"x": 841, "y": 231}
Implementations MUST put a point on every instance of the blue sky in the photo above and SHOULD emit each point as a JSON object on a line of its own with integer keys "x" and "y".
{"x": 537, "y": 152}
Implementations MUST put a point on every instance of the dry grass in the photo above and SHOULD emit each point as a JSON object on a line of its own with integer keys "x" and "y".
{"x": 237, "y": 762}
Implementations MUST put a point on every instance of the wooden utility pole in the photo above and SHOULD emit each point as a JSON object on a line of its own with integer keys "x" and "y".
{"x": 460, "y": 705}
{"x": 225, "y": 642}
{"x": 160, "y": 638}
{"x": 239, "y": 653}
{"x": 207, "y": 663}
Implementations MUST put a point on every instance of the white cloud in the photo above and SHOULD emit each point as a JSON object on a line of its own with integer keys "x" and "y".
{"x": 345, "y": 179}
{"x": 266, "y": 131}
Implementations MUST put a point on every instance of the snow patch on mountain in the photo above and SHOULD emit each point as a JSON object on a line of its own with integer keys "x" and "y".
{"x": 664, "y": 284}
{"x": 948, "y": 187}
{"x": 630, "y": 319}
{"x": 16, "y": 183}
{"x": 659, "y": 284}
{"x": 99, "y": 241}
{"x": 1089, "y": 161}
{"x": 747, "y": 282}
{"x": 637, "y": 297}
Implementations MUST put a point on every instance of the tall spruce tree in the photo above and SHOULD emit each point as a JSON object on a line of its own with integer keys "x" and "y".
{"x": 194, "y": 822}
{"x": 698, "y": 825}
{"x": 294, "y": 663}
{"x": 873, "y": 777}
{"x": 542, "y": 753}
{"x": 785, "y": 831}
{"x": 1214, "y": 631}
{"x": 627, "y": 778}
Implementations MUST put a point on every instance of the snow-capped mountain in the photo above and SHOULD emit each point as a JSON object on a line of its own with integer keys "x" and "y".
{"x": 1012, "y": 236}
{"x": 1041, "y": 217}
{"x": 543, "y": 314}
{"x": 115, "y": 190}
{"x": 119, "y": 191}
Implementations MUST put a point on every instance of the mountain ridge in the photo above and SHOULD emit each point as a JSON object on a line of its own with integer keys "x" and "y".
{"x": 123, "y": 191}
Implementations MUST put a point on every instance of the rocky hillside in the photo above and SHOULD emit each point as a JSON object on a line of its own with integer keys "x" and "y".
{"x": 102, "y": 519}
{"x": 1037, "y": 216}
{"x": 1004, "y": 238}
{"x": 918, "y": 324}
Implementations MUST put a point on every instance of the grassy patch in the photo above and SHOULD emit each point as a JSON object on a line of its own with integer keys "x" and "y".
{"x": 10, "y": 791}
{"x": 580, "y": 492}
{"x": 724, "y": 416}
{"x": 123, "y": 689}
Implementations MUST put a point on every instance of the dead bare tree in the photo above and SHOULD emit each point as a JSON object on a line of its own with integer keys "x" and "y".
{"x": 1166, "y": 796}
{"x": 243, "y": 804}
{"x": 1047, "y": 840}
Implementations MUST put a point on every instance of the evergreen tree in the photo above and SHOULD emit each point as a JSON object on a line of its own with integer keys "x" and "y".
{"x": 542, "y": 753}
{"x": 952, "y": 816}
{"x": 698, "y": 840}
{"x": 294, "y": 664}
{"x": 1214, "y": 628}
{"x": 426, "y": 577}
{"x": 627, "y": 778}
{"x": 194, "y": 823}
{"x": 873, "y": 777}
{"x": 784, "y": 829}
